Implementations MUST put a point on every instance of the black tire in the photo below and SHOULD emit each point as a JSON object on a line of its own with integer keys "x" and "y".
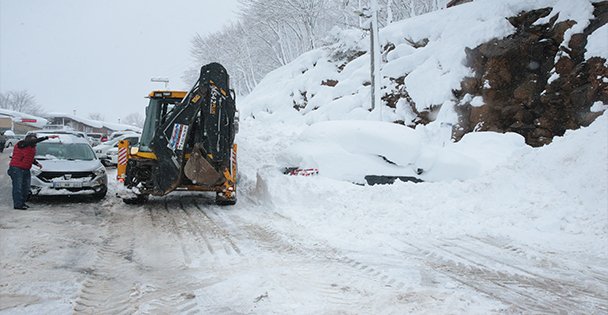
{"x": 220, "y": 200}
{"x": 101, "y": 194}
{"x": 136, "y": 200}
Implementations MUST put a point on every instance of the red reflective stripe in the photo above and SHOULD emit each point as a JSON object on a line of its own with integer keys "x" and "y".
{"x": 122, "y": 156}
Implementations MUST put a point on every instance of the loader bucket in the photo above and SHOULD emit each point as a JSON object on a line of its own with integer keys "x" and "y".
{"x": 200, "y": 171}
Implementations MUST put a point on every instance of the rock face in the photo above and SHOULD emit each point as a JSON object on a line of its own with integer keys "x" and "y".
{"x": 524, "y": 89}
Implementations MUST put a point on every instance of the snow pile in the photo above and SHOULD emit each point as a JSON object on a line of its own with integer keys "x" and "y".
{"x": 553, "y": 197}
{"x": 350, "y": 150}
{"x": 486, "y": 184}
{"x": 429, "y": 52}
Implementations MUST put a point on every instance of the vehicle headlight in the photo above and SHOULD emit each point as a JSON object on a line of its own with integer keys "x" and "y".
{"x": 35, "y": 171}
{"x": 100, "y": 171}
{"x": 113, "y": 153}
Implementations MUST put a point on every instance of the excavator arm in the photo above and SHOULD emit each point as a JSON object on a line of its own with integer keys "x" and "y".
{"x": 196, "y": 140}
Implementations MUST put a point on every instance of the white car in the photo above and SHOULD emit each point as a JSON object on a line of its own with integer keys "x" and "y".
{"x": 117, "y": 134}
{"x": 11, "y": 140}
{"x": 69, "y": 166}
{"x": 102, "y": 150}
{"x": 112, "y": 155}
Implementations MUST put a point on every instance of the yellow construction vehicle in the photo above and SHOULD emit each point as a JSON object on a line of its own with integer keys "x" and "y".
{"x": 187, "y": 143}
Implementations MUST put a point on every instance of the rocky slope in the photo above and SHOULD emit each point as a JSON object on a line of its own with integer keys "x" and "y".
{"x": 530, "y": 84}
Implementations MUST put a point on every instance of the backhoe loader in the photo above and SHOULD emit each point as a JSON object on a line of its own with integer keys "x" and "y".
{"x": 187, "y": 143}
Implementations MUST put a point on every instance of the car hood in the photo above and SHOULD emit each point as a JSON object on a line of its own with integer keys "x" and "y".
{"x": 69, "y": 166}
{"x": 101, "y": 147}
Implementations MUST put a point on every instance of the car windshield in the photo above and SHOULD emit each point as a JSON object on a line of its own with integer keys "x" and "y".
{"x": 64, "y": 151}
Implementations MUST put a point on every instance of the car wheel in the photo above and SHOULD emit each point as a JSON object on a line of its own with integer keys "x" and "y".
{"x": 101, "y": 193}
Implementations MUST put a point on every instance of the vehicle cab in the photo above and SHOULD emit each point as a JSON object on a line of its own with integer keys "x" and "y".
{"x": 160, "y": 105}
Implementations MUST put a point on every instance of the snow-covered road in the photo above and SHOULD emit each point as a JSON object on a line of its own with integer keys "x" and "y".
{"x": 181, "y": 254}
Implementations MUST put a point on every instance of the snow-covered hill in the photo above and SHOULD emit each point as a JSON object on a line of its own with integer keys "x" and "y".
{"x": 314, "y": 113}
{"x": 426, "y": 60}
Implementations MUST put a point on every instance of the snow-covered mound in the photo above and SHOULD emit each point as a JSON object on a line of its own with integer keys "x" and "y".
{"x": 554, "y": 197}
{"x": 429, "y": 54}
{"x": 350, "y": 150}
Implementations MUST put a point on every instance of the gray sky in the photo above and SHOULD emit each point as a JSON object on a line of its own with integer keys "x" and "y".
{"x": 98, "y": 56}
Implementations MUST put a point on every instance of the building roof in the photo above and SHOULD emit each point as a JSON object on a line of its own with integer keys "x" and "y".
{"x": 24, "y": 118}
{"x": 95, "y": 123}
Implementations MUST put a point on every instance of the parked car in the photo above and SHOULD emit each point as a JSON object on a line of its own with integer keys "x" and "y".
{"x": 42, "y": 133}
{"x": 11, "y": 140}
{"x": 69, "y": 165}
{"x": 117, "y": 134}
{"x": 2, "y": 141}
{"x": 94, "y": 138}
{"x": 102, "y": 150}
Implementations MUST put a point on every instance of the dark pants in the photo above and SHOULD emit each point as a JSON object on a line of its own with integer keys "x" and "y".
{"x": 21, "y": 185}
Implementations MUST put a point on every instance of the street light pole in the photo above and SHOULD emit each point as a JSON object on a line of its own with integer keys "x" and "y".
{"x": 375, "y": 58}
{"x": 162, "y": 80}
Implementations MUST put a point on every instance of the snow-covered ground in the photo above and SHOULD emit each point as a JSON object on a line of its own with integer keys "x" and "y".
{"x": 528, "y": 235}
{"x": 496, "y": 226}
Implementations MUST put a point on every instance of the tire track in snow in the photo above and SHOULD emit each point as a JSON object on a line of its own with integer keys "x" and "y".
{"x": 520, "y": 289}
{"x": 267, "y": 238}
{"x": 218, "y": 228}
{"x": 176, "y": 230}
{"x": 196, "y": 230}
{"x": 566, "y": 290}
{"x": 591, "y": 273}
{"x": 105, "y": 290}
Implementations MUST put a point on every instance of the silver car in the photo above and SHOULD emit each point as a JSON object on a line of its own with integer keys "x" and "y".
{"x": 69, "y": 166}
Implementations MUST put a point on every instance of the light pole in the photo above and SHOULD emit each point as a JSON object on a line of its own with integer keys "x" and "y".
{"x": 375, "y": 56}
{"x": 163, "y": 80}
{"x": 374, "y": 49}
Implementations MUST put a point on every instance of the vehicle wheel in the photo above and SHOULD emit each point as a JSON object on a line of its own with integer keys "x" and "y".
{"x": 100, "y": 194}
{"x": 139, "y": 199}
{"x": 221, "y": 200}
{"x": 105, "y": 163}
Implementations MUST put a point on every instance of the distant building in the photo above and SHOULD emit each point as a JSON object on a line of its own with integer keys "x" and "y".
{"x": 76, "y": 123}
{"x": 87, "y": 125}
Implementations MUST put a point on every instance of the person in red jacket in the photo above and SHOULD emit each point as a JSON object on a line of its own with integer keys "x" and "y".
{"x": 19, "y": 168}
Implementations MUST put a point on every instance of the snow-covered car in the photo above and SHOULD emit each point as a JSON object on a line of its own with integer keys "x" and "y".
{"x": 94, "y": 138}
{"x": 117, "y": 134}
{"x": 69, "y": 165}
{"x": 11, "y": 140}
{"x": 102, "y": 149}
{"x": 42, "y": 133}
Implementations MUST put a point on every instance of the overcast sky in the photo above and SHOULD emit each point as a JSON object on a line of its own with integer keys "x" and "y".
{"x": 98, "y": 56}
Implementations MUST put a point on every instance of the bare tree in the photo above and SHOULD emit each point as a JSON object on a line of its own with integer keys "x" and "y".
{"x": 134, "y": 119}
{"x": 20, "y": 101}
{"x": 97, "y": 116}
{"x": 272, "y": 33}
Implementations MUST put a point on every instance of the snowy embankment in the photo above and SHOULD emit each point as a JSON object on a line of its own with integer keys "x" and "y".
{"x": 554, "y": 197}
{"x": 429, "y": 54}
